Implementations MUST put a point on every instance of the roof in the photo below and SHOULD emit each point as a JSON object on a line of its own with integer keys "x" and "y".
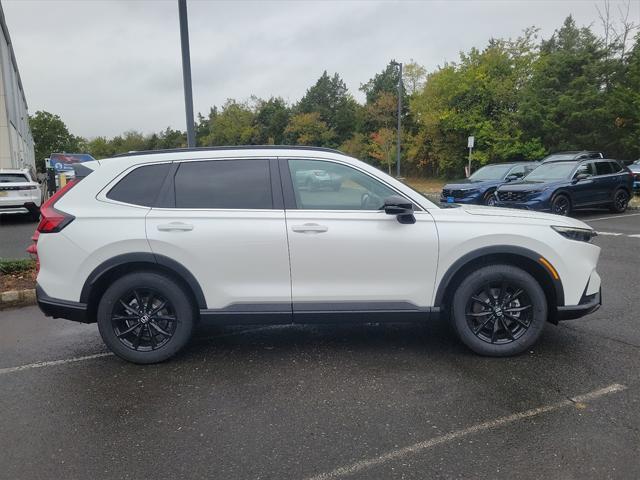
{"x": 237, "y": 147}
{"x": 12, "y": 56}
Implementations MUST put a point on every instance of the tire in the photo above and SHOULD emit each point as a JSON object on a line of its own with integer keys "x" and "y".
{"x": 139, "y": 335}
{"x": 489, "y": 199}
{"x": 561, "y": 205}
{"x": 499, "y": 289}
{"x": 620, "y": 201}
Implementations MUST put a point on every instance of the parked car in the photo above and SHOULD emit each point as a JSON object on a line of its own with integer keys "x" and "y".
{"x": 317, "y": 179}
{"x": 562, "y": 186}
{"x": 480, "y": 187}
{"x": 635, "y": 170}
{"x": 572, "y": 155}
{"x": 20, "y": 193}
{"x": 165, "y": 239}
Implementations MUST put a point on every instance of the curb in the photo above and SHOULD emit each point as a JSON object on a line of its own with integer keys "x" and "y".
{"x": 17, "y": 298}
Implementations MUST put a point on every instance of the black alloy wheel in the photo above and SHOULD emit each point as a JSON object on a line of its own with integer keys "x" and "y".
{"x": 620, "y": 201}
{"x": 561, "y": 205}
{"x": 143, "y": 320}
{"x": 499, "y": 313}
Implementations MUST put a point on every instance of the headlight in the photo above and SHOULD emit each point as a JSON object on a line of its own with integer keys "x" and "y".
{"x": 578, "y": 234}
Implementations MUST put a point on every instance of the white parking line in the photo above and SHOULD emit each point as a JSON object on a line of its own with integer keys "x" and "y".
{"x": 609, "y": 218}
{"x": 613, "y": 234}
{"x": 499, "y": 422}
{"x": 52, "y": 363}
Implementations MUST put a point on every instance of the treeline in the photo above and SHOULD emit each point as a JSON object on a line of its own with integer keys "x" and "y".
{"x": 521, "y": 99}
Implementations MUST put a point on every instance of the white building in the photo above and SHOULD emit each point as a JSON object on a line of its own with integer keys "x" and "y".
{"x": 16, "y": 141}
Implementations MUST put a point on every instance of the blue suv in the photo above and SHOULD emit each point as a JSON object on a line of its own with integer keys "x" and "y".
{"x": 480, "y": 187}
{"x": 562, "y": 186}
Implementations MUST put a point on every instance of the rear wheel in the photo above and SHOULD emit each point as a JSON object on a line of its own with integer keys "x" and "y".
{"x": 145, "y": 317}
{"x": 561, "y": 205}
{"x": 620, "y": 201}
{"x": 499, "y": 310}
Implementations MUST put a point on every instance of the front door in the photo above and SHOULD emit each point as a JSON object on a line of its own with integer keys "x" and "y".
{"x": 347, "y": 255}
{"x": 226, "y": 226}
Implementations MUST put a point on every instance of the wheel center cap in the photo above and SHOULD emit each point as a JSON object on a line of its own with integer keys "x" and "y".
{"x": 498, "y": 311}
{"x": 144, "y": 318}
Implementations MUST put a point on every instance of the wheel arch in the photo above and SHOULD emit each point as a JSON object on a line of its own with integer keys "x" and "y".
{"x": 521, "y": 257}
{"x": 110, "y": 270}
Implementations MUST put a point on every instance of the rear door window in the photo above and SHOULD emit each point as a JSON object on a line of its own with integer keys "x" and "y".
{"x": 224, "y": 184}
{"x": 141, "y": 186}
{"x": 585, "y": 169}
{"x": 603, "y": 168}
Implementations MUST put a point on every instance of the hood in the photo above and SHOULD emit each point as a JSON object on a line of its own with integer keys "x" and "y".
{"x": 547, "y": 218}
{"x": 525, "y": 186}
{"x": 465, "y": 184}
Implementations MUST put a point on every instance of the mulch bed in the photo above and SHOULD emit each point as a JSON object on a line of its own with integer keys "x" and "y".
{"x": 18, "y": 281}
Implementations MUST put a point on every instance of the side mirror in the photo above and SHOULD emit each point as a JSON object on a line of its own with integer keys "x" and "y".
{"x": 512, "y": 177}
{"x": 401, "y": 208}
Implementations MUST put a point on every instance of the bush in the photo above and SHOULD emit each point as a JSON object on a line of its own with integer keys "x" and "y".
{"x": 12, "y": 267}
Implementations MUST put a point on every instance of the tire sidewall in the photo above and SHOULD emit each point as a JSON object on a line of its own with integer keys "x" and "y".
{"x": 497, "y": 273}
{"x": 569, "y": 206}
{"x": 170, "y": 290}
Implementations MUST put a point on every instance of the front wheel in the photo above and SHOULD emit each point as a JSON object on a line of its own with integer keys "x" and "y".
{"x": 620, "y": 201}
{"x": 499, "y": 310}
{"x": 145, "y": 317}
{"x": 489, "y": 199}
{"x": 561, "y": 205}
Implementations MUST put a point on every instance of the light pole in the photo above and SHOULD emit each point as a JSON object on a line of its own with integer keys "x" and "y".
{"x": 399, "y": 65}
{"x": 186, "y": 71}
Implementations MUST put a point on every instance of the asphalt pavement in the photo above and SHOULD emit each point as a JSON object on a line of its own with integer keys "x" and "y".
{"x": 325, "y": 402}
{"x": 15, "y": 235}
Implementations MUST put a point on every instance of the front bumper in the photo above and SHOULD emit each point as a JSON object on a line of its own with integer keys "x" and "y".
{"x": 588, "y": 304}
{"x": 537, "y": 205}
{"x": 57, "y": 308}
{"x": 12, "y": 207}
{"x": 474, "y": 199}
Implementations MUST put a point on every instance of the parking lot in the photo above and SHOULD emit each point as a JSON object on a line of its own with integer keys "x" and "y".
{"x": 376, "y": 401}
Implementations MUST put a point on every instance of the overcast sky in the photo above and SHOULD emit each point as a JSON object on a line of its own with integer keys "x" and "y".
{"x": 110, "y": 66}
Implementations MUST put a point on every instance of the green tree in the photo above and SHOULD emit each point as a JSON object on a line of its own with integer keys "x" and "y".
{"x": 309, "y": 129}
{"x": 234, "y": 125}
{"x": 50, "y": 135}
{"x": 330, "y": 98}
{"x": 271, "y": 119}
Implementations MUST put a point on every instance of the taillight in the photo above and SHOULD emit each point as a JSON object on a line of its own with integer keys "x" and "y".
{"x": 27, "y": 187}
{"x": 53, "y": 220}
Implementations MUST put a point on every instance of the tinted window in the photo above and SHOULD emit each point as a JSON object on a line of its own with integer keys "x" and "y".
{"x": 491, "y": 172}
{"x": 615, "y": 167}
{"x": 585, "y": 169}
{"x": 551, "y": 171}
{"x": 603, "y": 168}
{"x": 141, "y": 186}
{"x": 231, "y": 184}
{"x": 322, "y": 185}
{"x": 13, "y": 178}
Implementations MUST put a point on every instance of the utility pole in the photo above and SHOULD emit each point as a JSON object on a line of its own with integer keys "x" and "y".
{"x": 186, "y": 72}
{"x": 399, "y": 119}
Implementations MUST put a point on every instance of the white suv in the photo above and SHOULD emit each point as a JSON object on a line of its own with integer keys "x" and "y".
{"x": 162, "y": 240}
{"x": 19, "y": 193}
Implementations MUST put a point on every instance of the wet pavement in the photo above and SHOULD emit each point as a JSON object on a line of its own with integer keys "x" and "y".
{"x": 300, "y": 402}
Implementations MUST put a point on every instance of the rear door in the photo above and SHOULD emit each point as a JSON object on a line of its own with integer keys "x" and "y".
{"x": 606, "y": 181}
{"x": 224, "y": 221}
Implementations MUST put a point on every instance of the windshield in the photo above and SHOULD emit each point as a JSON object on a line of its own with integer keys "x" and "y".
{"x": 491, "y": 172}
{"x": 12, "y": 178}
{"x": 559, "y": 156}
{"x": 551, "y": 171}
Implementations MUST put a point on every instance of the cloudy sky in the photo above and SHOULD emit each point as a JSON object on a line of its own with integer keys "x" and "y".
{"x": 110, "y": 66}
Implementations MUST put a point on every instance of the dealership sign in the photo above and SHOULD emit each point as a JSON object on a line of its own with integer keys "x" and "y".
{"x": 63, "y": 162}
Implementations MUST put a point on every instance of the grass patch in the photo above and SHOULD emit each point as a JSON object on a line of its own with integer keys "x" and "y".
{"x": 15, "y": 267}
{"x": 430, "y": 186}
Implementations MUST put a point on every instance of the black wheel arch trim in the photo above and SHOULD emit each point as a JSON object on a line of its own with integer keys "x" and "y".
{"x": 143, "y": 257}
{"x": 459, "y": 264}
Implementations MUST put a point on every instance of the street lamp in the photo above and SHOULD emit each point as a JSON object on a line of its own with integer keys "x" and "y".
{"x": 399, "y": 65}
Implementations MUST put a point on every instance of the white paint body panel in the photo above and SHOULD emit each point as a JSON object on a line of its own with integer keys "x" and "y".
{"x": 252, "y": 256}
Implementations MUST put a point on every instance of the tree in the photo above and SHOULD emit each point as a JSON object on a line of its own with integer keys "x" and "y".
{"x": 50, "y": 135}
{"x": 271, "y": 119}
{"x": 385, "y": 81}
{"x": 234, "y": 125}
{"x": 330, "y": 98}
{"x": 383, "y": 146}
{"x": 413, "y": 76}
{"x": 309, "y": 129}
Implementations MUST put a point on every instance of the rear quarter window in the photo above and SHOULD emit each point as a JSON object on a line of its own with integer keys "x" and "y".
{"x": 140, "y": 186}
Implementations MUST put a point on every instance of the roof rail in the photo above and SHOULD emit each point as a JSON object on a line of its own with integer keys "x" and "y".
{"x": 237, "y": 147}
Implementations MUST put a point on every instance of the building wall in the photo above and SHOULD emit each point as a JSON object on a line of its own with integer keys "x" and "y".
{"x": 16, "y": 141}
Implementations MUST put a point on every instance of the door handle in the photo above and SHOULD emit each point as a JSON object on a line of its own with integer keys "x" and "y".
{"x": 309, "y": 228}
{"x": 175, "y": 227}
